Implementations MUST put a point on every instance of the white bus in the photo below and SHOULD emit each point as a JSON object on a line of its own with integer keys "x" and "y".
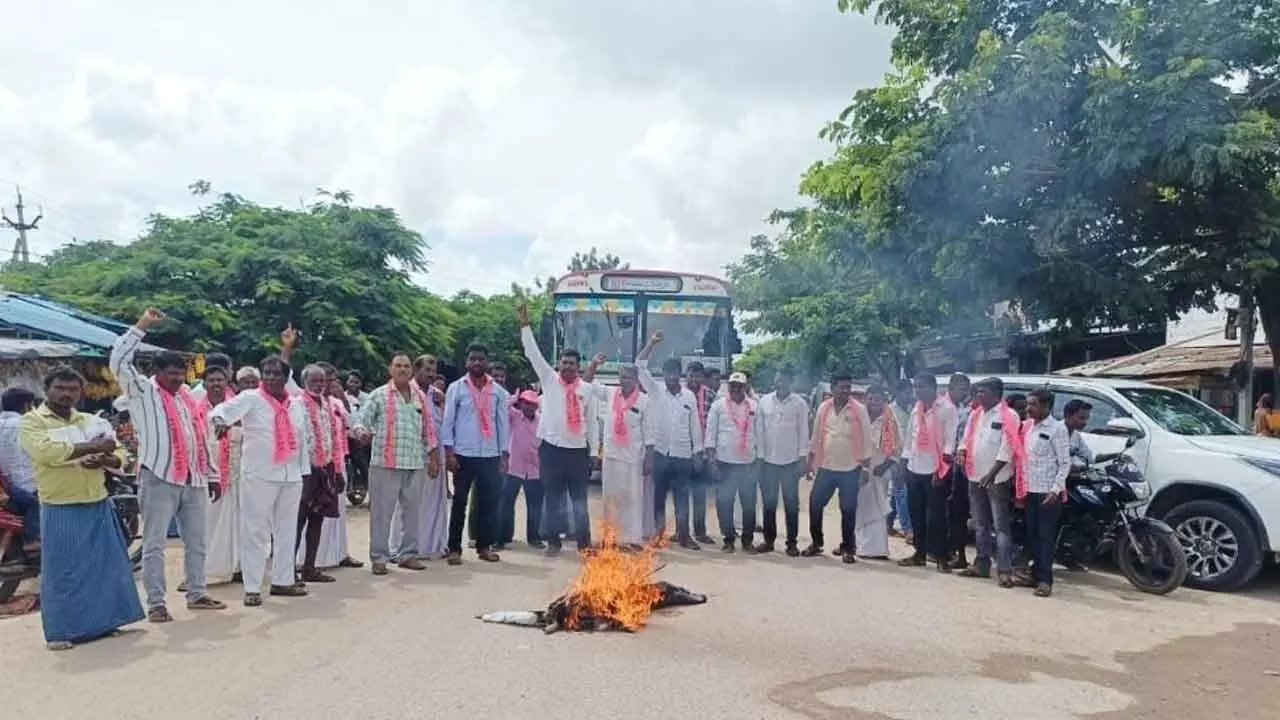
{"x": 614, "y": 311}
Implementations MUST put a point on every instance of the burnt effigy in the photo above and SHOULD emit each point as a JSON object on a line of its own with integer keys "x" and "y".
{"x": 614, "y": 590}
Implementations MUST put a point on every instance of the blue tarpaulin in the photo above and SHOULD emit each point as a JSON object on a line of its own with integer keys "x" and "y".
{"x": 32, "y": 317}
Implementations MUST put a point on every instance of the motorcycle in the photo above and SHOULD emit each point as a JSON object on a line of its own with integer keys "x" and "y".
{"x": 1100, "y": 517}
{"x": 18, "y": 564}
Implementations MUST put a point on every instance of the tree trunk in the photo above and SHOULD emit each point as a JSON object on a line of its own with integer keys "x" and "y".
{"x": 1268, "y": 296}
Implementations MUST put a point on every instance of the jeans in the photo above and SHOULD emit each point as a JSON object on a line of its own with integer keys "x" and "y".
{"x": 928, "y": 504}
{"x": 558, "y": 507}
{"x": 699, "y": 480}
{"x": 826, "y": 484}
{"x": 1042, "y": 536}
{"x": 784, "y": 479}
{"x": 533, "y": 492}
{"x": 27, "y": 504}
{"x": 671, "y": 475}
{"x": 898, "y": 499}
{"x": 388, "y": 487}
{"x": 566, "y": 469}
{"x": 484, "y": 475}
{"x": 737, "y": 482}
{"x": 162, "y": 502}
{"x": 992, "y": 513}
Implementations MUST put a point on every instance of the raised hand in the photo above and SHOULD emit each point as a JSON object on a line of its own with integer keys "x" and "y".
{"x": 655, "y": 338}
{"x": 598, "y": 359}
{"x": 289, "y": 337}
{"x": 149, "y": 317}
{"x": 522, "y": 313}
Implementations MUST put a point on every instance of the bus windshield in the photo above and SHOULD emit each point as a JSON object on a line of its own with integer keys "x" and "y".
{"x": 598, "y": 325}
{"x": 691, "y": 330}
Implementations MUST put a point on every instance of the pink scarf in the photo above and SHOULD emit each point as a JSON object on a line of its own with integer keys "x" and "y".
{"x": 825, "y": 410}
{"x": 929, "y": 433}
{"x": 482, "y": 399}
{"x": 572, "y": 407}
{"x": 181, "y": 469}
{"x": 284, "y": 440}
{"x": 701, "y": 397}
{"x": 340, "y": 447}
{"x": 318, "y": 456}
{"x": 1012, "y": 430}
{"x": 621, "y": 406}
{"x": 224, "y": 442}
{"x": 389, "y": 428}
{"x": 740, "y": 414}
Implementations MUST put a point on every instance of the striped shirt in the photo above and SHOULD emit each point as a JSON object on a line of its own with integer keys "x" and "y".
{"x": 1048, "y": 456}
{"x": 146, "y": 409}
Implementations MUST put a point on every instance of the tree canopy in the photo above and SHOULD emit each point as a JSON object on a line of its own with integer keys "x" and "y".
{"x": 1099, "y": 163}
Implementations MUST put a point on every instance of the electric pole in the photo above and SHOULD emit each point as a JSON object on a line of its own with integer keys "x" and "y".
{"x": 21, "y": 251}
{"x": 1245, "y": 320}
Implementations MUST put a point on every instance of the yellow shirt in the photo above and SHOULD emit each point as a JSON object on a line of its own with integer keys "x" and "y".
{"x": 50, "y": 440}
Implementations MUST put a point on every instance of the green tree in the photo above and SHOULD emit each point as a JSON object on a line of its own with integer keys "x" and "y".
{"x": 232, "y": 275}
{"x": 1097, "y": 162}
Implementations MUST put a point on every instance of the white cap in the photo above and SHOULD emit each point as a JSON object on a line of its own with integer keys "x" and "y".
{"x": 738, "y": 379}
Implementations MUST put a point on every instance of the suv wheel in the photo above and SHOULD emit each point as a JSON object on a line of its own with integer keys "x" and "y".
{"x": 1223, "y": 552}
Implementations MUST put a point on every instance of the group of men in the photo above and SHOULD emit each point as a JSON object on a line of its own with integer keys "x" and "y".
{"x": 253, "y": 468}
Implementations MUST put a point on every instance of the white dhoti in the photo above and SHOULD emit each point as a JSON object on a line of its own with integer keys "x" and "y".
{"x": 222, "y": 558}
{"x": 623, "y": 494}
{"x": 333, "y": 540}
{"x": 648, "y": 519}
{"x": 268, "y": 524}
{"x": 871, "y": 531}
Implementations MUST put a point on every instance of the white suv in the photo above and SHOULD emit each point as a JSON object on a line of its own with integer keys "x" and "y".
{"x": 1214, "y": 482}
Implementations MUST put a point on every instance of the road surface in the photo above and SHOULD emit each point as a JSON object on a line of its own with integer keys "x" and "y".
{"x": 780, "y": 638}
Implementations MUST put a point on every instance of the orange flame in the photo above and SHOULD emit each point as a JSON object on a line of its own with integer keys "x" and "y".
{"x": 614, "y": 583}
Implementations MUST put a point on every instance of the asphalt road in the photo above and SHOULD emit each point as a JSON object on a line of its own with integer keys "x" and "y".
{"x": 780, "y": 638}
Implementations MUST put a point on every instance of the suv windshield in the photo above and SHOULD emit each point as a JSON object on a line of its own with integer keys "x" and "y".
{"x": 1180, "y": 413}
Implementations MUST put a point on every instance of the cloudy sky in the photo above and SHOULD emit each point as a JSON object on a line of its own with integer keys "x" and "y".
{"x": 509, "y": 132}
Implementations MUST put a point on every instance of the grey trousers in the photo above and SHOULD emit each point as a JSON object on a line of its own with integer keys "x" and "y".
{"x": 992, "y": 513}
{"x": 387, "y": 488}
{"x": 161, "y": 502}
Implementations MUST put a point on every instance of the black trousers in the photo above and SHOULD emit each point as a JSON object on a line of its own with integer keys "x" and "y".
{"x": 671, "y": 476}
{"x": 826, "y": 484}
{"x": 533, "y": 492}
{"x": 1042, "y": 536}
{"x": 958, "y": 515}
{"x": 784, "y": 480}
{"x": 566, "y": 469}
{"x": 484, "y": 477}
{"x": 737, "y": 483}
{"x": 928, "y": 505}
{"x": 358, "y": 461}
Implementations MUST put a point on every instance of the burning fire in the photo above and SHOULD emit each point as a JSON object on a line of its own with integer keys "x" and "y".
{"x": 614, "y": 583}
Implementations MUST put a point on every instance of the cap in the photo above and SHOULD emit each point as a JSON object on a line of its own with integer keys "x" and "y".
{"x": 529, "y": 396}
{"x": 738, "y": 379}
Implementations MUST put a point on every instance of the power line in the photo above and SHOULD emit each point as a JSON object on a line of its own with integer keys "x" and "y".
{"x": 21, "y": 251}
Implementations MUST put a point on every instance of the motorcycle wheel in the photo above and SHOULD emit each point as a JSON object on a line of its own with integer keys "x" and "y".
{"x": 1166, "y": 567}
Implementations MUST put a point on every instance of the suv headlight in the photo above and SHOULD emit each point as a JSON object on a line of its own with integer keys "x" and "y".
{"x": 1265, "y": 464}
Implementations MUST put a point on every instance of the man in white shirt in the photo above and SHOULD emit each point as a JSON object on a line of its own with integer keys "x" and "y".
{"x": 1048, "y": 464}
{"x": 930, "y": 450}
{"x": 248, "y": 378}
{"x": 732, "y": 447}
{"x": 275, "y": 456}
{"x": 569, "y": 411}
{"x": 839, "y": 454}
{"x": 784, "y": 441}
{"x": 627, "y": 462}
{"x": 675, "y": 442}
{"x": 15, "y": 464}
{"x": 176, "y": 475}
{"x": 990, "y": 452}
{"x": 959, "y": 391}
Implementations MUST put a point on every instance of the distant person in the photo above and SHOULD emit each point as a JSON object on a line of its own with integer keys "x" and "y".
{"x": 991, "y": 452}
{"x": 1018, "y": 403}
{"x": 676, "y": 440}
{"x": 522, "y": 473}
{"x": 903, "y": 399}
{"x": 87, "y": 589}
{"x": 701, "y": 479}
{"x": 248, "y": 378}
{"x": 15, "y": 464}
{"x": 930, "y": 451}
{"x": 871, "y": 528}
{"x": 839, "y": 454}
{"x": 784, "y": 440}
{"x": 733, "y": 448}
{"x": 220, "y": 361}
{"x": 1048, "y": 464}
{"x": 960, "y": 392}
{"x": 627, "y": 468}
{"x": 475, "y": 434}
{"x": 1266, "y": 421}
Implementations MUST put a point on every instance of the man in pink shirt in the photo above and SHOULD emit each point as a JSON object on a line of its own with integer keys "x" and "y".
{"x": 522, "y": 472}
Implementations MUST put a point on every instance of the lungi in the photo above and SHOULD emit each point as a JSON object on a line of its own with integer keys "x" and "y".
{"x": 321, "y": 492}
{"x": 333, "y": 540}
{"x": 623, "y": 493}
{"x": 871, "y": 527}
{"x": 86, "y": 579}
{"x": 222, "y": 559}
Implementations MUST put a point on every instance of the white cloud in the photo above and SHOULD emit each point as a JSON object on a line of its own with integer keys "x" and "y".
{"x": 663, "y": 132}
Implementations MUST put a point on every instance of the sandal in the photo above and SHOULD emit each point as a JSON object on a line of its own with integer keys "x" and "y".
{"x": 489, "y": 556}
{"x": 159, "y": 614}
{"x": 252, "y": 599}
{"x": 288, "y": 590}
{"x": 455, "y": 558}
{"x": 1005, "y": 580}
{"x": 204, "y": 602}
{"x": 315, "y": 576}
